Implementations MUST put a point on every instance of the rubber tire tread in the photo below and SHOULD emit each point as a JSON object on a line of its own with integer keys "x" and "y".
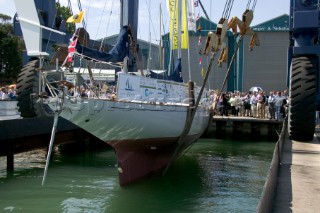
{"x": 26, "y": 85}
{"x": 302, "y": 97}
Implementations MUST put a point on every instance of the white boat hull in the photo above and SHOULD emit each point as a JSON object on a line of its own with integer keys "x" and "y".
{"x": 144, "y": 136}
{"x": 115, "y": 121}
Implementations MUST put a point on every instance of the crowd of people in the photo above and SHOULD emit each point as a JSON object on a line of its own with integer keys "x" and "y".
{"x": 8, "y": 93}
{"x": 85, "y": 91}
{"x": 256, "y": 104}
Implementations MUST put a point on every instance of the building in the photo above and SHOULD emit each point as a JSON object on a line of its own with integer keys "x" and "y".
{"x": 265, "y": 66}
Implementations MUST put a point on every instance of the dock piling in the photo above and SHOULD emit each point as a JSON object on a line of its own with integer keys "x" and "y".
{"x": 10, "y": 155}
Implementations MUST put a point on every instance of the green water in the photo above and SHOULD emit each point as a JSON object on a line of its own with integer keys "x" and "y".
{"x": 213, "y": 176}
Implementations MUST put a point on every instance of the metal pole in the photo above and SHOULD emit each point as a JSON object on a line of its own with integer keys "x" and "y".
{"x": 53, "y": 133}
{"x": 189, "y": 66}
{"x": 10, "y": 155}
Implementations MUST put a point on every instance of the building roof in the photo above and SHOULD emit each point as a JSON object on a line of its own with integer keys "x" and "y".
{"x": 203, "y": 26}
{"x": 280, "y": 23}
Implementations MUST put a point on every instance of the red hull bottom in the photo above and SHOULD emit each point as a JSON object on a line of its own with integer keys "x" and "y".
{"x": 139, "y": 159}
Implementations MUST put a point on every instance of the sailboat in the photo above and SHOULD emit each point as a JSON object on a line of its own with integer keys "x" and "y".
{"x": 149, "y": 122}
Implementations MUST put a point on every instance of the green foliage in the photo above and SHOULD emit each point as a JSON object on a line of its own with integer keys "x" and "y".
{"x": 10, "y": 51}
{"x": 65, "y": 13}
{"x": 5, "y": 24}
{"x": 6, "y": 28}
{"x": 4, "y": 18}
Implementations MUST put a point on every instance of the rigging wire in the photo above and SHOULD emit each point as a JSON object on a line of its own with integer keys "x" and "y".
{"x": 104, "y": 7}
{"x": 204, "y": 11}
{"x": 253, "y": 5}
{"x": 102, "y": 42}
{"x": 248, "y": 4}
{"x": 70, "y": 6}
{"x": 94, "y": 41}
{"x": 154, "y": 31}
{"x": 227, "y": 9}
{"x": 83, "y": 21}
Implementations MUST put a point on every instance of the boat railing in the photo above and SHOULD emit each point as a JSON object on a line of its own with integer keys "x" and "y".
{"x": 67, "y": 86}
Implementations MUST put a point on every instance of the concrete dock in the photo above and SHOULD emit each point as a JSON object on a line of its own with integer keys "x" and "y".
{"x": 247, "y": 128}
{"x": 299, "y": 177}
{"x": 293, "y": 180}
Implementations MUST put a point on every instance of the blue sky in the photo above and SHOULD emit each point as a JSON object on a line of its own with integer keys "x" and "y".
{"x": 109, "y": 23}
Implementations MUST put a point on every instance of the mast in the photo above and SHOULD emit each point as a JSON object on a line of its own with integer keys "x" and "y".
{"x": 189, "y": 66}
{"x": 179, "y": 27}
{"x": 129, "y": 17}
{"x": 160, "y": 42}
{"x": 149, "y": 54}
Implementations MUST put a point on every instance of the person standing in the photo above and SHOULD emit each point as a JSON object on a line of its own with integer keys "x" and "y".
{"x": 278, "y": 104}
{"x": 12, "y": 93}
{"x": 215, "y": 102}
{"x": 271, "y": 105}
{"x": 247, "y": 105}
{"x": 260, "y": 104}
{"x": 233, "y": 103}
{"x": 241, "y": 104}
{"x": 253, "y": 103}
{"x": 224, "y": 105}
{"x": 4, "y": 95}
{"x": 265, "y": 108}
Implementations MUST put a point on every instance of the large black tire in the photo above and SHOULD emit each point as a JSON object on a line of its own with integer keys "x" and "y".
{"x": 302, "y": 99}
{"x": 28, "y": 90}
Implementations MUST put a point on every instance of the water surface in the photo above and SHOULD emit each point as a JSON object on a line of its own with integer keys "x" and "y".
{"x": 213, "y": 176}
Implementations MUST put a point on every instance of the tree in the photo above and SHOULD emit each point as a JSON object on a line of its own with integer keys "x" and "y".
{"x": 65, "y": 13}
{"x": 10, "y": 51}
{"x": 5, "y": 25}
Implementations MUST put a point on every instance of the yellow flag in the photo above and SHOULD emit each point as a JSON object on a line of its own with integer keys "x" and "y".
{"x": 174, "y": 19}
{"x": 184, "y": 26}
{"x": 202, "y": 72}
{"x": 76, "y": 18}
